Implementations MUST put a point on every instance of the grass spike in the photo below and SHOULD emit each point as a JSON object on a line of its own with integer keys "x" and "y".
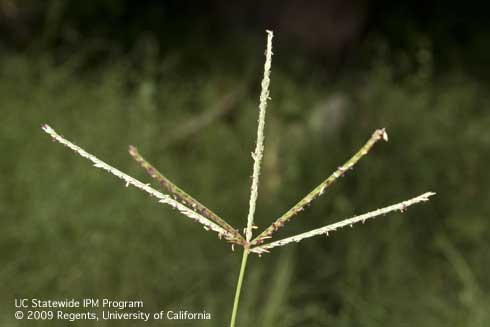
{"x": 162, "y": 198}
{"x": 320, "y": 189}
{"x": 259, "y": 148}
{"x": 257, "y": 156}
{"x": 402, "y": 206}
{"x": 182, "y": 196}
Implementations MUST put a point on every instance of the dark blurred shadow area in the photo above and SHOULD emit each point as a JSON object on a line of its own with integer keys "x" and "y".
{"x": 181, "y": 80}
{"x": 330, "y": 31}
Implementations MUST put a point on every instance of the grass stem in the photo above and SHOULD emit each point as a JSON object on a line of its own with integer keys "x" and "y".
{"x": 239, "y": 286}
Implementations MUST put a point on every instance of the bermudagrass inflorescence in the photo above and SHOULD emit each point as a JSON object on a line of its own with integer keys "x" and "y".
{"x": 196, "y": 211}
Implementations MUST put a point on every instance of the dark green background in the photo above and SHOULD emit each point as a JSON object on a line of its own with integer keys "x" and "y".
{"x": 109, "y": 73}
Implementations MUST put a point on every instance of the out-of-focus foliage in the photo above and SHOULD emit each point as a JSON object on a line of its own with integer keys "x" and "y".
{"x": 69, "y": 230}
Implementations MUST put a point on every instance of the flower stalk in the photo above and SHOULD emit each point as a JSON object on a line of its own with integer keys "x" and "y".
{"x": 193, "y": 209}
{"x": 239, "y": 287}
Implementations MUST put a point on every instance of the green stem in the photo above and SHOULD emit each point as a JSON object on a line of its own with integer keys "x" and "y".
{"x": 239, "y": 286}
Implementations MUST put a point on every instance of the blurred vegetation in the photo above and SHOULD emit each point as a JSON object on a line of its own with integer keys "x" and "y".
{"x": 72, "y": 231}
